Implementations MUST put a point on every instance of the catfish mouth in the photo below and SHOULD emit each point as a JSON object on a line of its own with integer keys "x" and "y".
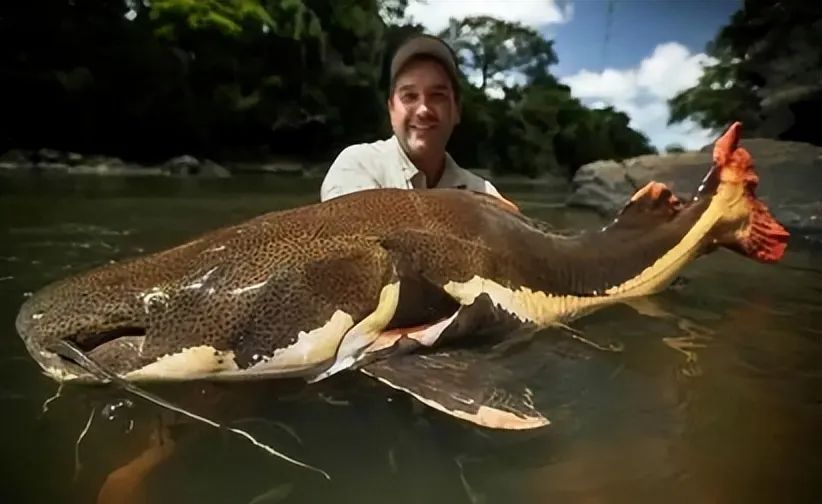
{"x": 88, "y": 343}
{"x": 117, "y": 350}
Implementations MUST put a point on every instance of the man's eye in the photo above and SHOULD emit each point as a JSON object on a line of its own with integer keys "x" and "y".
{"x": 408, "y": 97}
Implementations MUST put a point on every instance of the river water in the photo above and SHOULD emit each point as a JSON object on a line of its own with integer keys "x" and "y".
{"x": 716, "y": 396}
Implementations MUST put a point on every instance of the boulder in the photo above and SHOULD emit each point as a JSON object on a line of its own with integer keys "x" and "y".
{"x": 74, "y": 159}
{"x": 50, "y": 156}
{"x": 790, "y": 179}
{"x": 101, "y": 165}
{"x": 190, "y": 166}
{"x": 602, "y": 186}
{"x": 182, "y": 165}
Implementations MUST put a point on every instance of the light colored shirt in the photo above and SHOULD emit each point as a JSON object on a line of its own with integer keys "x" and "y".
{"x": 383, "y": 164}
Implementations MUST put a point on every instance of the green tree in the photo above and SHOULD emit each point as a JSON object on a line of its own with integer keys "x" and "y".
{"x": 537, "y": 126}
{"x": 766, "y": 73}
{"x": 252, "y": 78}
{"x": 228, "y": 17}
{"x": 492, "y": 48}
{"x": 719, "y": 98}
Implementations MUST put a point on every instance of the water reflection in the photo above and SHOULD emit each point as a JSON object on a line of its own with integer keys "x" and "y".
{"x": 715, "y": 397}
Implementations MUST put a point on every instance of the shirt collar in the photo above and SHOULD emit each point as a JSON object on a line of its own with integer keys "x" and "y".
{"x": 408, "y": 168}
{"x": 410, "y": 171}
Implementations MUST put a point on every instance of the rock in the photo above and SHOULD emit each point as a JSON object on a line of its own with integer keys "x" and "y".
{"x": 790, "y": 176}
{"x": 187, "y": 165}
{"x": 103, "y": 165}
{"x": 74, "y": 158}
{"x": 182, "y": 165}
{"x": 602, "y": 186}
{"x": 49, "y": 156}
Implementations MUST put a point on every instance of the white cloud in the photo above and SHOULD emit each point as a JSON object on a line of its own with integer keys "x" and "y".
{"x": 670, "y": 69}
{"x": 610, "y": 85}
{"x": 434, "y": 14}
{"x": 642, "y": 93}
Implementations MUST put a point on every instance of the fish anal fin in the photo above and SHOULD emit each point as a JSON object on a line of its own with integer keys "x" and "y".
{"x": 464, "y": 384}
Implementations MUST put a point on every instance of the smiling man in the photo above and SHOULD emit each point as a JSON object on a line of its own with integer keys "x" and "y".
{"x": 424, "y": 107}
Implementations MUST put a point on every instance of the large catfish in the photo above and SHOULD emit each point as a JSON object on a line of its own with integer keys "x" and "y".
{"x": 404, "y": 285}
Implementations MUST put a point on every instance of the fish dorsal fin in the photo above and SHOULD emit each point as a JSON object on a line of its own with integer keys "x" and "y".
{"x": 653, "y": 204}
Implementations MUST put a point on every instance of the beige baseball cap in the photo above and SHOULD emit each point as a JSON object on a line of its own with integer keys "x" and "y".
{"x": 426, "y": 45}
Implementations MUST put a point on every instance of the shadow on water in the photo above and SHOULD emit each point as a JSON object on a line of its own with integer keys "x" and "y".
{"x": 716, "y": 396}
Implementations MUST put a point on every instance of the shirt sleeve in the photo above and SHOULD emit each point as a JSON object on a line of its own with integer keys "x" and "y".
{"x": 347, "y": 174}
{"x": 488, "y": 188}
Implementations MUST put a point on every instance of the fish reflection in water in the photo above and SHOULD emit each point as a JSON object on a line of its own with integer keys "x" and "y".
{"x": 370, "y": 425}
{"x": 691, "y": 438}
{"x": 366, "y": 422}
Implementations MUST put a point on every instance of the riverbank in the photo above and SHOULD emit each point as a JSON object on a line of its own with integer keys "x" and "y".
{"x": 45, "y": 161}
{"x": 790, "y": 175}
{"x": 50, "y": 161}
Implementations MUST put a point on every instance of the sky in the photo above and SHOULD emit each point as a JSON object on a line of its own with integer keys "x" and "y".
{"x": 637, "y": 58}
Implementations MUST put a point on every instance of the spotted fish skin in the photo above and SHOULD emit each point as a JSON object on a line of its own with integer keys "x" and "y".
{"x": 252, "y": 288}
{"x": 309, "y": 291}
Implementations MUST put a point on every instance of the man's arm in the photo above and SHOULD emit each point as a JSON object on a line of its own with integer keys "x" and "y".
{"x": 346, "y": 175}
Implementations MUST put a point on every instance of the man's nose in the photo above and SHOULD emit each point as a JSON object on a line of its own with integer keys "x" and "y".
{"x": 424, "y": 108}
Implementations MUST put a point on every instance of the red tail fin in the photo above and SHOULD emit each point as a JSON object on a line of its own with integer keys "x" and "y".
{"x": 762, "y": 238}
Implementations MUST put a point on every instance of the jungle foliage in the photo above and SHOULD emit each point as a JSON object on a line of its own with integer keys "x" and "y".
{"x": 768, "y": 73}
{"x": 240, "y": 79}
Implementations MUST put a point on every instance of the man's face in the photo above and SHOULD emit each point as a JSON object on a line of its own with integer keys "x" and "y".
{"x": 423, "y": 108}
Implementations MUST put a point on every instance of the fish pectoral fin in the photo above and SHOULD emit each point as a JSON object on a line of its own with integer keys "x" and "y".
{"x": 465, "y": 384}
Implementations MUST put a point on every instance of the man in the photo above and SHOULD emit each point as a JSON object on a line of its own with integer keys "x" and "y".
{"x": 423, "y": 106}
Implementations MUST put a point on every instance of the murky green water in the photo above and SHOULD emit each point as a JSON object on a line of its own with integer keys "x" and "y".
{"x": 718, "y": 401}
